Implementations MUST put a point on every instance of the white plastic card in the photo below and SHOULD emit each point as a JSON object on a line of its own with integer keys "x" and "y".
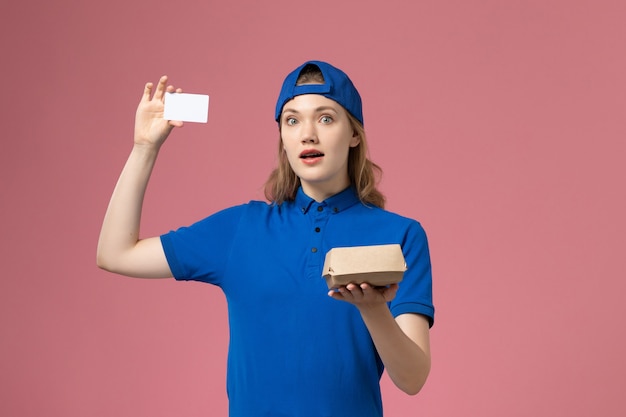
{"x": 186, "y": 107}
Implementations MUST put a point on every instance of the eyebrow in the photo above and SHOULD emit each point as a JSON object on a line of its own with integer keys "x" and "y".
{"x": 317, "y": 110}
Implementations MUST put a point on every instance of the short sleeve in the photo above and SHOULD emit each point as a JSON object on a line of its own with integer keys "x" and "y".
{"x": 200, "y": 252}
{"x": 415, "y": 291}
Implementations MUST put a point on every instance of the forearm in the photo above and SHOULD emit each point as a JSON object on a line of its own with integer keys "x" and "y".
{"x": 120, "y": 228}
{"x": 407, "y": 362}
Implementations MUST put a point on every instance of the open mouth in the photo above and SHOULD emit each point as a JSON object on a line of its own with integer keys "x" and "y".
{"x": 310, "y": 154}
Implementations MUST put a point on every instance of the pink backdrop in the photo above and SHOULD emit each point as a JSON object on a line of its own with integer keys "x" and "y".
{"x": 500, "y": 126}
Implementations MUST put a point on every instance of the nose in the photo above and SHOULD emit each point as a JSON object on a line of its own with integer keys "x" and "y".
{"x": 309, "y": 133}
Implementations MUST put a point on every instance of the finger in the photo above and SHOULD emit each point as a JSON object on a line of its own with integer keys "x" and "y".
{"x": 160, "y": 90}
{"x": 389, "y": 293}
{"x": 345, "y": 292}
{"x": 333, "y": 293}
{"x": 338, "y": 294}
{"x": 353, "y": 292}
{"x": 367, "y": 290}
{"x": 392, "y": 288}
{"x": 354, "y": 289}
{"x": 147, "y": 91}
{"x": 171, "y": 89}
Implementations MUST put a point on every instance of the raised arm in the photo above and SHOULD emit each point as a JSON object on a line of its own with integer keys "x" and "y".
{"x": 120, "y": 249}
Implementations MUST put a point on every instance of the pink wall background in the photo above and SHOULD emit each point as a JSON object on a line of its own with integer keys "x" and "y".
{"x": 500, "y": 126}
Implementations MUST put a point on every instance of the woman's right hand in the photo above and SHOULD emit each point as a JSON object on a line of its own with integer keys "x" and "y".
{"x": 151, "y": 128}
{"x": 120, "y": 247}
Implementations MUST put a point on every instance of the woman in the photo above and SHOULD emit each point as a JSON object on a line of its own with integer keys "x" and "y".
{"x": 296, "y": 349}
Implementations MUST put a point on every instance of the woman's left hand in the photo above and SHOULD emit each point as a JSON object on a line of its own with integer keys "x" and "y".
{"x": 364, "y": 295}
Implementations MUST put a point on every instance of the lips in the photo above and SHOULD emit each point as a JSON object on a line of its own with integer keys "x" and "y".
{"x": 311, "y": 154}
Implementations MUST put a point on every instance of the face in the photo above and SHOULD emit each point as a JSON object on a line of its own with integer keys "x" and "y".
{"x": 317, "y": 136}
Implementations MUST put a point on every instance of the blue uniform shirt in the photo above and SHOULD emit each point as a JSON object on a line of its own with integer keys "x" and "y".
{"x": 293, "y": 350}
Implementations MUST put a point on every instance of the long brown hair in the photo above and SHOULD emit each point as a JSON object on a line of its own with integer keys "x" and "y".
{"x": 283, "y": 183}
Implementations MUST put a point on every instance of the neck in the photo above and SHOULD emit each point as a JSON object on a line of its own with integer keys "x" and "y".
{"x": 321, "y": 193}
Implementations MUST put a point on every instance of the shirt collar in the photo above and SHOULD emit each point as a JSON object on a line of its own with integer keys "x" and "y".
{"x": 337, "y": 203}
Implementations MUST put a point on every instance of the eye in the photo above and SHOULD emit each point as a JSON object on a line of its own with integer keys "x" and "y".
{"x": 326, "y": 120}
{"x": 290, "y": 121}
